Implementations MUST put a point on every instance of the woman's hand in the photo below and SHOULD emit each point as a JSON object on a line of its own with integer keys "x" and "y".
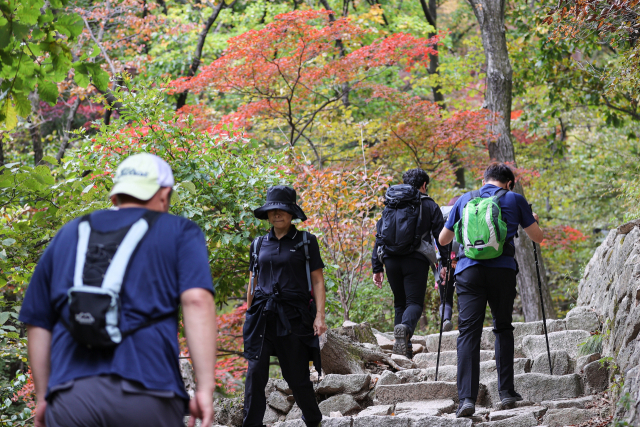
{"x": 319, "y": 325}
{"x": 378, "y": 278}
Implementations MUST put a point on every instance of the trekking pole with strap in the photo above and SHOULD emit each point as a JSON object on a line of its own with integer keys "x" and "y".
{"x": 444, "y": 302}
{"x": 544, "y": 317}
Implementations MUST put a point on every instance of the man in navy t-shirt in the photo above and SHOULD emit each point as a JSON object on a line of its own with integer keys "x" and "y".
{"x": 137, "y": 382}
{"x": 492, "y": 281}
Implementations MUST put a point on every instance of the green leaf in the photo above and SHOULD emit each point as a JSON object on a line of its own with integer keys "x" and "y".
{"x": 81, "y": 75}
{"x": 99, "y": 76}
{"x": 29, "y": 13}
{"x": 23, "y": 105}
{"x": 8, "y": 115}
{"x": 50, "y": 159}
{"x": 4, "y": 316}
{"x": 48, "y": 91}
{"x": 70, "y": 25}
{"x": 5, "y": 35}
{"x": 20, "y": 31}
{"x": 8, "y": 242}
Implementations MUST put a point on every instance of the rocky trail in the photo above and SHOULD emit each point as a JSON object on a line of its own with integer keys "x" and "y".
{"x": 410, "y": 397}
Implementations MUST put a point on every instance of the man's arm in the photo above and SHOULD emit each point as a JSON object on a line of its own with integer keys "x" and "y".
{"x": 249, "y": 296}
{"x": 39, "y": 350}
{"x": 319, "y": 295}
{"x": 534, "y": 231}
{"x": 446, "y": 236}
{"x": 199, "y": 311}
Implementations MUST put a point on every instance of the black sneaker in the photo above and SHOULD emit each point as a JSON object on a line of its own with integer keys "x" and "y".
{"x": 466, "y": 408}
{"x": 508, "y": 398}
{"x": 401, "y": 334}
{"x": 447, "y": 326}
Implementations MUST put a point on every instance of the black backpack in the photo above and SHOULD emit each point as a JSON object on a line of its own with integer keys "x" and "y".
{"x": 399, "y": 232}
{"x": 102, "y": 260}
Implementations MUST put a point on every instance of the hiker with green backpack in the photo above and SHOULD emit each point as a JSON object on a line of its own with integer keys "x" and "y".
{"x": 485, "y": 222}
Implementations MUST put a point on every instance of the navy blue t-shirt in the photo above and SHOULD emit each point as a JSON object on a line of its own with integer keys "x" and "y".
{"x": 171, "y": 259}
{"x": 515, "y": 211}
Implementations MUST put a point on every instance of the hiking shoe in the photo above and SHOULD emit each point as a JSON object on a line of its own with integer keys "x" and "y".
{"x": 508, "y": 398}
{"x": 401, "y": 334}
{"x": 409, "y": 352}
{"x": 447, "y": 326}
{"x": 466, "y": 408}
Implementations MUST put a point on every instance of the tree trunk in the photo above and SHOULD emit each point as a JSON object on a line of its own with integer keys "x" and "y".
{"x": 64, "y": 144}
{"x": 197, "y": 55}
{"x": 342, "y": 355}
{"x": 34, "y": 128}
{"x": 431, "y": 15}
{"x": 490, "y": 16}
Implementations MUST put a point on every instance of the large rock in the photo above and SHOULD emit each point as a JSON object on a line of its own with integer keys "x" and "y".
{"x": 449, "y": 342}
{"x": 525, "y": 420}
{"x": 359, "y": 332}
{"x": 295, "y": 413}
{"x": 536, "y": 411}
{"x": 351, "y": 384}
{"x": 411, "y": 376}
{"x": 560, "y": 361}
{"x": 390, "y": 394}
{"x": 539, "y": 387}
{"x": 596, "y": 378}
{"x": 377, "y": 421}
{"x": 271, "y": 416}
{"x": 384, "y": 342}
{"x": 428, "y": 360}
{"x": 402, "y": 361}
{"x": 343, "y": 403}
{"x": 229, "y": 412}
{"x": 445, "y": 373}
{"x": 580, "y": 402}
{"x": 556, "y": 325}
{"x": 281, "y": 385}
{"x": 379, "y": 410}
{"x": 566, "y": 417}
{"x": 336, "y": 422}
{"x": 583, "y": 318}
{"x": 628, "y": 410}
{"x": 428, "y": 407}
{"x": 422, "y": 420}
{"x": 533, "y": 345}
{"x": 489, "y": 370}
{"x": 420, "y": 340}
{"x": 583, "y": 361}
{"x": 278, "y": 400}
{"x": 388, "y": 378}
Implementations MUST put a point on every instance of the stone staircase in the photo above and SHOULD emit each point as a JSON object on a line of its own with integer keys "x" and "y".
{"x": 411, "y": 397}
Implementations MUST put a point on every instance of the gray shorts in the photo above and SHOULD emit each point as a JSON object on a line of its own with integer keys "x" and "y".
{"x": 109, "y": 401}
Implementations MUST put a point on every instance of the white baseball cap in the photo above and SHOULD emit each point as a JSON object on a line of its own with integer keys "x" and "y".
{"x": 141, "y": 176}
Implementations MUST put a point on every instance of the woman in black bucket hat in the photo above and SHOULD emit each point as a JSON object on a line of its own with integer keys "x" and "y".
{"x": 285, "y": 315}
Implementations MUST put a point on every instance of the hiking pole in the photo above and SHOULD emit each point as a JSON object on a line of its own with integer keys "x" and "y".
{"x": 544, "y": 317}
{"x": 444, "y": 302}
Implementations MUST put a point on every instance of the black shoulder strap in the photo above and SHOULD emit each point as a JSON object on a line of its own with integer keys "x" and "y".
{"x": 257, "y": 244}
{"x": 498, "y": 194}
{"x": 475, "y": 194}
{"x": 305, "y": 242}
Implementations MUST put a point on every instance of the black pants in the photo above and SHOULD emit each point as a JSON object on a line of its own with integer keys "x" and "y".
{"x": 408, "y": 279}
{"x": 477, "y": 286}
{"x": 292, "y": 355}
{"x": 108, "y": 401}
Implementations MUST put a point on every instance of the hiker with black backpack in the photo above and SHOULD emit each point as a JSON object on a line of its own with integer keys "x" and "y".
{"x": 485, "y": 222}
{"x": 404, "y": 249}
{"x": 102, "y": 311}
{"x": 285, "y": 315}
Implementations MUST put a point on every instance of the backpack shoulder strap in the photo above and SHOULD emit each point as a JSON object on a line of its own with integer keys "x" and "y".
{"x": 257, "y": 244}
{"x": 475, "y": 194}
{"x": 498, "y": 194}
{"x": 84, "y": 232}
{"x": 305, "y": 242}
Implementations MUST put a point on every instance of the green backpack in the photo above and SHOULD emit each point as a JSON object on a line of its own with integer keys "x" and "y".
{"x": 481, "y": 229}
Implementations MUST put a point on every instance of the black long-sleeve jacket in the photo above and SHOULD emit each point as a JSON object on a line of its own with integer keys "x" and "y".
{"x": 432, "y": 224}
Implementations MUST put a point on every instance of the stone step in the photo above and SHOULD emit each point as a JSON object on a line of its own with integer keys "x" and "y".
{"x": 428, "y": 360}
{"x": 580, "y": 403}
{"x": 534, "y": 345}
{"x": 536, "y": 411}
{"x": 425, "y": 390}
{"x": 488, "y": 371}
{"x": 449, "y": 342}
{"x": 566, "y": 417}
{"x": 429, "y": 407}
{"x": 560, "y": 361}
{"x": 540, "y": 387}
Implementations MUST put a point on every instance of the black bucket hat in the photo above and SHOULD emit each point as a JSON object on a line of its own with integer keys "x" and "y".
{"x": 283, "y": 198}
